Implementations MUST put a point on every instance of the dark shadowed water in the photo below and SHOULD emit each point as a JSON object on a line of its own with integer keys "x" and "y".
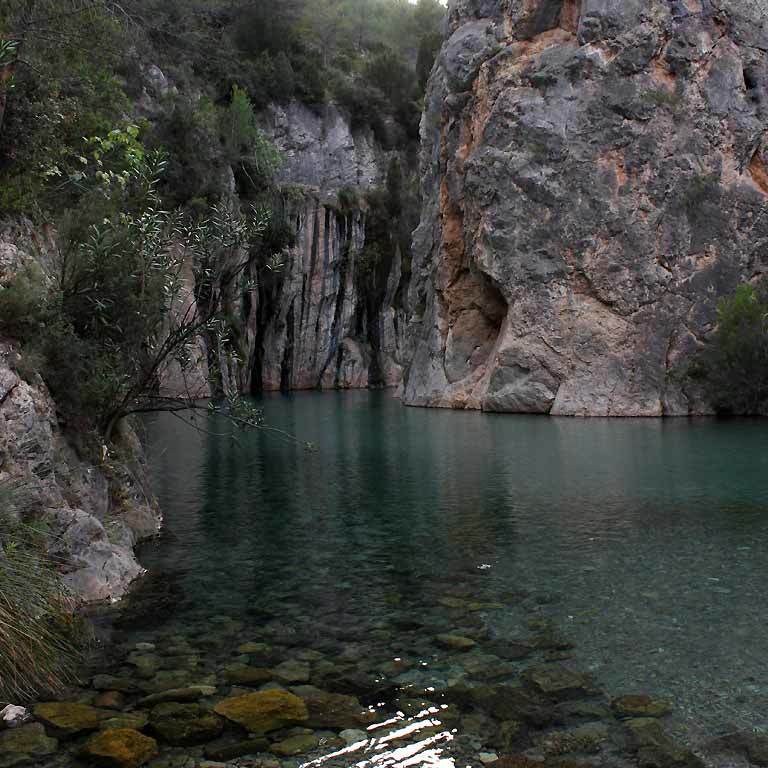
{"x": 642, "y": 542}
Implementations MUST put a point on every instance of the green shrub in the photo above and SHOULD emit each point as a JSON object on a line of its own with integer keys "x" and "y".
{"x": 24, "y": 304}
{"x": 734, "y": 367}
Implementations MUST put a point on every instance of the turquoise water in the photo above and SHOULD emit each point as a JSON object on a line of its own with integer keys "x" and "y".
{"x": 637, "y": 547}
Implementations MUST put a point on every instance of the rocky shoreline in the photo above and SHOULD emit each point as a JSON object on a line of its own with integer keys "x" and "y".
{"x": 225, "y": 693}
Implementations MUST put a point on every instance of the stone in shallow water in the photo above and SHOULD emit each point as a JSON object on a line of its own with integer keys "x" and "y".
{"x": 12, "y": 716}
{"x": 23, "y": 743}
{"x": 586, "y": 738}
{"x": 292, "y": 671}
{"x": 353, "y": 736}
{"x": 190, "y": 693}
{"x": 134, "y": 720}
{"x": 110, "y": 700}
{"x": 295, "y": 745}
{"x": 243, "y": 674}
{"x": 185, "y": 724}
{"x": 332, "y": 710}
{"x": 112, "y": 683}
{"x": 557, "y": 681}
{"x": 257, "y": 649}
{"x": 263, "y": 711}
{"x": 225, "y": 752}
{"x": 455, "y": 642}
{"x": 754, "y": 746}
{"x": 655, "y": 749}
{"x": 640, "y": 706}
{"x": 67, "y": 718}
{"x": 119, "y": 748}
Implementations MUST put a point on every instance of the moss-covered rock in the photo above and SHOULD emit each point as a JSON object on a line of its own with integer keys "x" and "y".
{"x": 119, "y": 748}
{"x": 185, "y": 724}
{"x": 263, "y": 711}
{"x": 67, "y": 718}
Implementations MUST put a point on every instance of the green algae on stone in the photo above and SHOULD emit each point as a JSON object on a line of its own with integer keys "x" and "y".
{"x": 68, "y": 718}
{"x": 119, "y": 748}
{"x": 263, "y": 711}
{"x": 21, "y": 745}
{"x": 295, "y": 745}
{"x": 640, "y": 706}
{"x": 185, "y": 724}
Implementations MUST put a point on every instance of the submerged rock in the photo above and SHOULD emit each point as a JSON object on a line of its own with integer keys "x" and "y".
{"x": 136, "y": 721}
{"x": 263, "y": 711}
{"x": 190, "y": 693}
{"x": 225, "y": 752}
{"x": 655, "y": 749}
{"x": 753, "y": 746}
{"x": 23, "y": 744}
{"x": 292, "y": 671}
{"x": 640, "y": 706}
{"x": 120, "y": 748}
{"x": 185, "y": 724}
{"x": 67, "y": 718}
{"x": 332, "y": 710}
{"x": 455, "y": 642}
{"x": 295, "y": 745}
{"x": 557, "y": 681}
{"x": 243, "y": 674}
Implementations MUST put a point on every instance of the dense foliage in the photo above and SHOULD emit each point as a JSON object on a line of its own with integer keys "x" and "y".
{"x": 734, "y": 367}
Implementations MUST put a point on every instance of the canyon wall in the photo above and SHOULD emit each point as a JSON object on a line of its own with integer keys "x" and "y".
{"x": 92, "y": 503}
{"x": 594, "y": 177}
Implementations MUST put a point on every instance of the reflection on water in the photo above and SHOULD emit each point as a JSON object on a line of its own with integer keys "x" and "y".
{"x": 640, "y": 543}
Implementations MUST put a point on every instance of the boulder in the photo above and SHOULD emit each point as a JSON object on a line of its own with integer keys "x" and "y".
{"x": 119, "y": 748}
{"x": 332, "y": 710}
{"x": 640, "y": 706}
{"x": 264, "y": 711}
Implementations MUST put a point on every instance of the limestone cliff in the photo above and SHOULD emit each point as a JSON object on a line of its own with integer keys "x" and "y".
{"x": 594, "y": 178}
{"x": 94, "y": 508}
{"x": 328, "y": 318}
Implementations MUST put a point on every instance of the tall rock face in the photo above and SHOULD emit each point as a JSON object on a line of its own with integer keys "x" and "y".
{"x": 327, "y": 319}
{"x": 595, "y": 176}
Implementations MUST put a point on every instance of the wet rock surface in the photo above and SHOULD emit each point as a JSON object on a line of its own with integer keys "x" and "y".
{"x": 593, "y": 180}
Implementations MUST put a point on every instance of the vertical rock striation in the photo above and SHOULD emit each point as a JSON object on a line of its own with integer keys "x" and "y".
{"x": 324, "y": 321}
{"x": 594, "y": 177}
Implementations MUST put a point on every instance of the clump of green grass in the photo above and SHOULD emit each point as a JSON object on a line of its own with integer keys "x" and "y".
{"x": 40, "y": 634}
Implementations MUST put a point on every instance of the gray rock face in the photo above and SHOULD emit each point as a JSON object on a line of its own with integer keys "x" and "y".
{"x": 319, "y": 149}
{"x": 91, "y": 533}
{"x": 321, "y": 324}
{"x": 594, "y": 178}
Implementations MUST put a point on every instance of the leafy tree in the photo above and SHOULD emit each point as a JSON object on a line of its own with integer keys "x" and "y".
{"x": 734, "y": 367}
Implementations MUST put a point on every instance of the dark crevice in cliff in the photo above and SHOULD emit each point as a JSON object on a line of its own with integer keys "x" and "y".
{"x": 286, "y": 365}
